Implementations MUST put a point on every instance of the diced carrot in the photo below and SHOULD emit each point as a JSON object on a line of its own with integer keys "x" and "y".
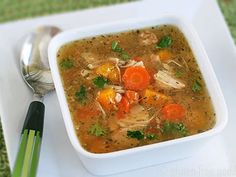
{"x": 153, "y": 98}
{"x": 164, "y": 55}
{"x": 109, "y": 71}
{"x": 123, "y": 107}
{"x": 132, "y": 96}
{"x": 136, "y": 78}
{"x": 106, "y": 98}
{"x": 173, "y": 112}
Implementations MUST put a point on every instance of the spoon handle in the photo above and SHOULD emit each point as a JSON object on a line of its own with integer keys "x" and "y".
{"x": 28, "y": 154}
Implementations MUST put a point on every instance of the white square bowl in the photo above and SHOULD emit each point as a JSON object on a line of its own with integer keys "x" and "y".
{"x": 119, "y": 161}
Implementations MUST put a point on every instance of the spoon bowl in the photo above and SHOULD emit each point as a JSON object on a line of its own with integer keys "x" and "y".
{"x": 34, "y": 61}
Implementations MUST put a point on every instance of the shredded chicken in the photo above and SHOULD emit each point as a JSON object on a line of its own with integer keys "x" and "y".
{"x": 85, "y": 72}
{"x": 119, "y": 138}
{"x": 88, "y": 74}
{"x": 132, "y": 63}
{"x": 185, "y": 64}
{"x": 173, "y": 61}
{"x": 138, "y": 118}
{"x": 101, "y": 109}
{"x": 168, "y": 80}
{"x": 148, "y": 38}
{"x": 155, "y": 59}
{"x": 168, "y": 68}
{"x": 118, "y": 97}
{"x": 115, "y": 60}
{"x": 117, "y": 88}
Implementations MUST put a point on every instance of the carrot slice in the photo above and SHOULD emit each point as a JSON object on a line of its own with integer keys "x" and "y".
{"x": 132, "y": 96}
{"x": 173, "y": 112}
{"x": 123, "y": 107}
{"x": 136, "y": 78}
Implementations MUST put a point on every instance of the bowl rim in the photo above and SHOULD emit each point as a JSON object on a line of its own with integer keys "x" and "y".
{"x": 126, "y": 25}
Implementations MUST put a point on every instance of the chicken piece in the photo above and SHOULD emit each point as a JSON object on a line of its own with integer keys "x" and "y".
{"x": 121, "y": 141}
{"x": 148, "y": 38}
{"x": 117, "y": 88}
{"x": 137, "y": 118}
{"x": 167, "y": 81}
{"x": 132, "y": 63}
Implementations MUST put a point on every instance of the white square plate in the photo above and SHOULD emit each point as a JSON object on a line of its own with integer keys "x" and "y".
{"x": 58, "y": 158}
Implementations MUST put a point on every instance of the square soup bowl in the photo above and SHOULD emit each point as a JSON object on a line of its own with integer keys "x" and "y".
{"x": 119, "y": 161}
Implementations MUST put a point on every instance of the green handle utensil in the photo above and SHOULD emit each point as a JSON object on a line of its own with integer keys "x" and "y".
{"x": 32, "y": 132}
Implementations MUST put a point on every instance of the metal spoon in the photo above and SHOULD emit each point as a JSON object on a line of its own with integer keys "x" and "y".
{"x": 36, "y": 73}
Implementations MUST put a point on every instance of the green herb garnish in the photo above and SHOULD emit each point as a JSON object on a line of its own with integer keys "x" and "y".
{"x": 151, "y": 136}
{"x": 135, "y": 134}
{"x": 180, "y": 127}
{"x": 164, "y": 42}
{"x": 66, "y": 63}
{"x": 178, "y": 74}
{"x": 116, "y": 48}
{"x": 97, "y": 130}
{"x": 171, "y": 127}
{"x": 100, "y": 81}
{"x": 125, "y": 56}
{"x": 81, "y": 95}
{"x": 167, "y": 127}
{"x": 196, "y": 86}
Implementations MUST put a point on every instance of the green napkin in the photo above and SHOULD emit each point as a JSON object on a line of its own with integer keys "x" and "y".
{"x": 228, "y": 7}
{"x": 15, "y": 9}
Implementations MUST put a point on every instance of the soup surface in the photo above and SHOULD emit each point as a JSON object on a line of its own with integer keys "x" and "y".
{"x": 134, "y": 88}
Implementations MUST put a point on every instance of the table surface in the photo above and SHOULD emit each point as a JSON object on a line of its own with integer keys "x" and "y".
{"x": 16, "y": 10}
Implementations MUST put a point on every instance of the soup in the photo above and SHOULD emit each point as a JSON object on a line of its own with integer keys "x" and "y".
{"x": 134, "y": 88}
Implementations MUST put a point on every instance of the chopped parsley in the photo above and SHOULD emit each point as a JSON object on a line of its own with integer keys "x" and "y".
{"x": 66, "y": 63}
{"x": 196, "y": 86}
{"x": 116, "y": 48}
{"x": 81, "y": 95}
{"x": 151, "y": 136}
{"x": 171, "y": 127}
{"x": 97, "y": 130}
{"x": 165, "y": 42}
{"x": 180, "y": 127}
{"x": 178, "y": 73}
{"x": 100, "y": 81}
{"x": 125, "y": 56}
{"x": 137, "y": 134}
